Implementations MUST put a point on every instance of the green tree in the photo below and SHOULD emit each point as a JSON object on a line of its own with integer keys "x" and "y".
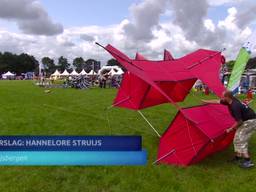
{"x": 92, "y": 64}
{"x": 17, "y": 63}
{"x": 7, "y": 62}
{"x": 63, "y": 63}
{"x": 79, "y": 63}
{"x": 27, "y": 63}
{"x": 49, "y": 66}
{"x": 114, "y": 62}
{"x": 251, "y": 63}
{"x": 230, "y": 65}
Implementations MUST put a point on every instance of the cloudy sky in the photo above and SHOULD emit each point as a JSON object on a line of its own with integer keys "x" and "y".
{"x": 70, "y": 27}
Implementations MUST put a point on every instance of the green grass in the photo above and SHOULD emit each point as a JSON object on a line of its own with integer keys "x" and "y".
{"x": 26, "y": 109}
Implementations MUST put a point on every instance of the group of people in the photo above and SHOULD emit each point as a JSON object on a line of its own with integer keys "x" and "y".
{"x": 106, "y": 80}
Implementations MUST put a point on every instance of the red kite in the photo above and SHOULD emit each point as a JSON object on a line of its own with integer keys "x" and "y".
{"x": 195, "y": 132}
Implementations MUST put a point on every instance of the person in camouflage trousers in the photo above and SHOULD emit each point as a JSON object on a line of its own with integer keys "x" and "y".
{"x": 244, "y": 126}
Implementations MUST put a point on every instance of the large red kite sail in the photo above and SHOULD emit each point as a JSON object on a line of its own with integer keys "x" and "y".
{"x": 148, "y": 83}
{"x": 194, "y": 134}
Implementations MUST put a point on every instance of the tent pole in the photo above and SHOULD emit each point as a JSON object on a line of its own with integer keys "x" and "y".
{"x": 149, "y": 123}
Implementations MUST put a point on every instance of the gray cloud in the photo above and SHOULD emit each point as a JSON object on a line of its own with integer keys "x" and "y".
{"x": 246, "y": 17}
{"x": 86, "y": 37}
{"x": 189, "y": 16}
{"x": 145, "y": 16}
{"x": 68, "y": 44}
{"x": 184, "y": 32}
{"x": 30, "y": 17}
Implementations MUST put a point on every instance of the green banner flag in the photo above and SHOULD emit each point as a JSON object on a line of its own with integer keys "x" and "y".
{"x": 239, "y": 67}
{"x": 240, "y": 64}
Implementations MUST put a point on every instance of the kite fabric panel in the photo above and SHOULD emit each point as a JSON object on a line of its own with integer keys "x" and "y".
{"x": 139, "y": 57}
{"x": 168, "y": 56}
{"x": 196, "y": 133}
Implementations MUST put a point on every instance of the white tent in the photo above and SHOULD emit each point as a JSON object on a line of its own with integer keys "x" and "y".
{"x": 112, "y": 72}
{"x": 116, "y": 72}
{"x": 8, "y": 75}
{"x": 74, "y": 73}
{"x": 56, "y": 73}
{"x": 108, "y": 68}
{"x": 119, "y": 72}
{"x": 83, "y": 73}
{"x": 65, "y": 73}
{"x": 92, "y": 73}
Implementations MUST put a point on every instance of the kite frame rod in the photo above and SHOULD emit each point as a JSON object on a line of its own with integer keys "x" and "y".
{"x": 204, "y": 59}
{"x": 128, "y": 61}
{"x": 163, "y": 157}
{"x": 149, "y": 123}
{"x": 118, "y": 103}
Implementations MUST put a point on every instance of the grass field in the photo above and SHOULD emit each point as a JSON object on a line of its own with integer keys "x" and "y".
{"x": 26, "y": 109}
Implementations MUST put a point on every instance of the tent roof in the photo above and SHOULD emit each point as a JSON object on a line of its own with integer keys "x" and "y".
{"x": 120, "y": 72}
{"x": 74, "y": 73}
{"x": 65, "y": 73}
{"x": 8, "y": 74}
{"x": 112, "y": 72}
{"x": 92, "y": 73}
{"x": 56, "y": 73}
{"x": 108, "y": 68}
{"x": 83, "y": 72}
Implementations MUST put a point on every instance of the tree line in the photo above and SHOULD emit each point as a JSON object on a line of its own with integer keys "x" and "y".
{"x": 17, "y": 63}
{"x": 22, "y": 63}
{"x": 78, "y": 63}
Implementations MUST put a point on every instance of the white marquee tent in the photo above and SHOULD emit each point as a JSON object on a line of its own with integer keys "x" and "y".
{"x": 92, "y": 73}
{"x": 74, "y": 73}
{"x": 83, "y": 73}
{"x": 113, "y": 70}
{"x": 119, "y": 72}
{"x": 116, "y": 72}
{"x": 65, "y": 73}
{"x": 56, "y": 73}
{"x": 8, "y": 75}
